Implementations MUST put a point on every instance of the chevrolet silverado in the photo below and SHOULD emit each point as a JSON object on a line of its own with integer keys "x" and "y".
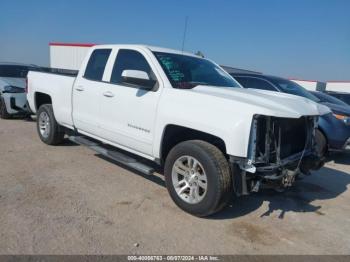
{"x": 213, "y": 139}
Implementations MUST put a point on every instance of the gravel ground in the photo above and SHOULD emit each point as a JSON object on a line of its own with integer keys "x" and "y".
{"x": 68, "y": 200}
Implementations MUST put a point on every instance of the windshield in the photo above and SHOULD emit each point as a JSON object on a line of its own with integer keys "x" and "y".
{"x": 186, "y": 72}
{"x": 293, "y": 88}
{"x": 328, "y": 99}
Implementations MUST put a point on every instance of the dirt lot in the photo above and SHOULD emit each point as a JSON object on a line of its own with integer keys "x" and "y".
{"x": 67, "y": 200}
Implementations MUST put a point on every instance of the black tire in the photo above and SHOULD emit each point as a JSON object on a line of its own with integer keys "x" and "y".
{"x": 219, "y": 180}
{"x": 321, "y": 143}
{"x": 3, "y": 111}
{"x": 55, "y": 134}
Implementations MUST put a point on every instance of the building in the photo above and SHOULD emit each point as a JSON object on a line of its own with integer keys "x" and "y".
{"x": 311, "y": 85}
{"x": 68, "y": 55}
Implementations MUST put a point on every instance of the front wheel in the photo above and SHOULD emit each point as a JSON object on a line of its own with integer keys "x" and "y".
{"x": 50, "y": 132}
{"x": 198, "y": 178}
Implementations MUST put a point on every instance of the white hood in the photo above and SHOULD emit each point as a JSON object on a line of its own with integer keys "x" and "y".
{"x": 266, "y": 102}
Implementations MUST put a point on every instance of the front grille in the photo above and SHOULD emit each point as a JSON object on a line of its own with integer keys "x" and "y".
{"x": 279, "y": 138}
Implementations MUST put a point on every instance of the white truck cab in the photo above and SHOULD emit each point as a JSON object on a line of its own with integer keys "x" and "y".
{"x": 213, "y": 138}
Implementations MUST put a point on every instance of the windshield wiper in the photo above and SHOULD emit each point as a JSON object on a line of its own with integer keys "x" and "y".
{"x": 196, "y": 83}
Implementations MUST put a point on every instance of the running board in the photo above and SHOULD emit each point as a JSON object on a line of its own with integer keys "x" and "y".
{"x": 113, "y": 154}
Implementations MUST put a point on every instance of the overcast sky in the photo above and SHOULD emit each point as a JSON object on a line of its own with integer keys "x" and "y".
{"x": 305, "y": 39}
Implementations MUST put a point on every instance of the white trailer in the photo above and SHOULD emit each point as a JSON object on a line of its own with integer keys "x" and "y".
{"x": 68, "y": 55}
{"x": 338, "y": 86}
{"x": 311, "y": 85}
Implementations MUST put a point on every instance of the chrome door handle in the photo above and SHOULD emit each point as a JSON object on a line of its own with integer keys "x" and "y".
{"x": 108, "y": 94}
{"x": 79, "y": 88}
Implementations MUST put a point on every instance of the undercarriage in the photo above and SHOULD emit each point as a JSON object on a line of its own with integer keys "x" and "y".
{"x": 280, "y": 149}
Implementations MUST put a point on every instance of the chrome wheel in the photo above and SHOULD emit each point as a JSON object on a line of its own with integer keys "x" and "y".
{"x": 189, "y": 179}
{"x": 44, "y": 124}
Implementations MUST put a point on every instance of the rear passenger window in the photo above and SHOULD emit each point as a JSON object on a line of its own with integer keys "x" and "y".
{"x": 129, "y": 60}
{"x": 97, "y": 63}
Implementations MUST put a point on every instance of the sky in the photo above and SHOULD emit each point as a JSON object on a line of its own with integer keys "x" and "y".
{"x": 304, "y": 39}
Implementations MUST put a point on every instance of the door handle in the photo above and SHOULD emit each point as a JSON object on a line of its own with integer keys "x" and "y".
{"x": 108, "y": 94}
{"x": 79, "y": 88}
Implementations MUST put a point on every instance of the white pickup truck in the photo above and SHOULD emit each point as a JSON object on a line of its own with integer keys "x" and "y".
{"x": 214, "y": 139}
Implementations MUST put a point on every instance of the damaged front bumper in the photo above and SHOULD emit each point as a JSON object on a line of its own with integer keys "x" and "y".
{"x": 279, "y": 150}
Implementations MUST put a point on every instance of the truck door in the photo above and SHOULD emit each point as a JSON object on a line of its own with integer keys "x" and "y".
{"x": 86, "y": 92}
{"x": 128, "y": 112}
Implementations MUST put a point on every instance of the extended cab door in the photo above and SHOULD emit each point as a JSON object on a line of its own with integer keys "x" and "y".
{"x": 86, "y": 92}
{"x": 128, "y": 111}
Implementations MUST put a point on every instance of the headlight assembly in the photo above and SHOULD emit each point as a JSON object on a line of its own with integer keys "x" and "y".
{"x": 345, "y": 119}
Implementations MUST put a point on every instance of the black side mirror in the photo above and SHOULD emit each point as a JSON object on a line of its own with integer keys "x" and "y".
{"x": 138, "y": 78}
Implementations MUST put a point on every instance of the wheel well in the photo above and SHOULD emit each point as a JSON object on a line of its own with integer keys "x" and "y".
{"x": 174, "y": 134}
{"x": 41, "y": 99}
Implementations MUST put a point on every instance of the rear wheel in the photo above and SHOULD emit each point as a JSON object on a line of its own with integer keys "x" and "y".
{"x": 3, "y": 111}
{"x": 198, "y": 177}
{"x": 50, "y": 132}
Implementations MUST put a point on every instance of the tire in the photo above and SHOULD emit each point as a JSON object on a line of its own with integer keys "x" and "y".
{"x": 321, "y": 143}
{"x": 46, "y": 121}
{"x": 215, "y": 168}
{"x": 3, "y": 111}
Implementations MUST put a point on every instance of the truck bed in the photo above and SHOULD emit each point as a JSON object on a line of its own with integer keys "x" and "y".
{"x": 55, "y": 83}
{"x": 58, "y": 71}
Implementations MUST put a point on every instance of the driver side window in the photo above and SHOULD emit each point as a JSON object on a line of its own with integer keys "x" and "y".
{"x": 129, "y": 60}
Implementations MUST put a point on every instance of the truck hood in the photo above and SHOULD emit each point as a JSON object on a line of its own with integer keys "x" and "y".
{"x": 266, "y": 102}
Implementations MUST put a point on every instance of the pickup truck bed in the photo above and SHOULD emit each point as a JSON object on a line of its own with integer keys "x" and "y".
{"x": 59, "y": 85}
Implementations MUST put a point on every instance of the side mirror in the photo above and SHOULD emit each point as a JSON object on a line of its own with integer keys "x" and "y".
{"x": 138, "y": 78}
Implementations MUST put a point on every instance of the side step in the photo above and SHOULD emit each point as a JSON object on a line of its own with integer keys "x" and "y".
{"x": 115, "y": 155}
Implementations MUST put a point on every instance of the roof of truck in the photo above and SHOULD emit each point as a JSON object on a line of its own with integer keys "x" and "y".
{"x": 152, "y": 48}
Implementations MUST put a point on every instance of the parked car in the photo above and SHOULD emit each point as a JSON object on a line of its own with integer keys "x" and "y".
{"x": 13, "y": 99}
{"x": 345, "y": 97}
{"x": 333, "y": 134}
{"x": 341, "y": 111}
{"x": 183, "y": 112}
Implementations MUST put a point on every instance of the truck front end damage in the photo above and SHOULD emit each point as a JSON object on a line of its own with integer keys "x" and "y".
{"x": 279, "y": 150}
